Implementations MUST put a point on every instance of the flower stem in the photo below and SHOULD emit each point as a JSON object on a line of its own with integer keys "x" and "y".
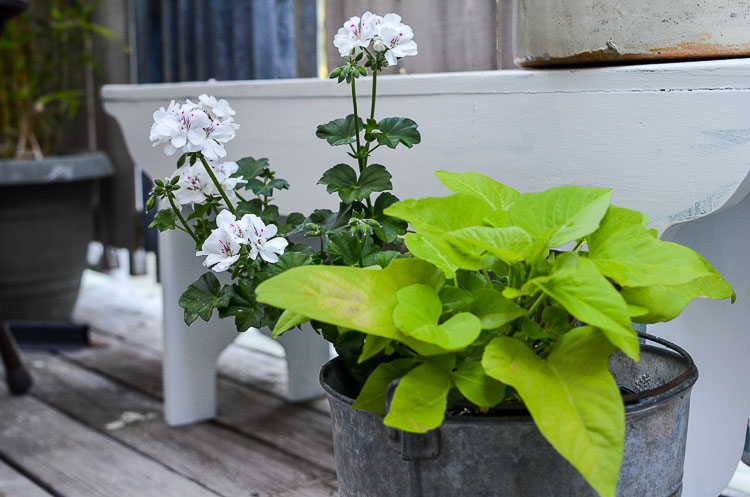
{"x": 374, "y": 91}
{"x": 182, "y": 220}
{"x": 218, "y": 185}
{"x": 356, "y": 125}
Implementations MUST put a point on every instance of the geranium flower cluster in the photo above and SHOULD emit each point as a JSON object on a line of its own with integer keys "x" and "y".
{"x": 195, "y": 127}
{"x": 387, "y": 34}
{"x": 222, "y": 248}
{"x": 196, "y": 184}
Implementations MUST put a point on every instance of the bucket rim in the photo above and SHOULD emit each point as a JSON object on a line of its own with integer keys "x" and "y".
{"x": 634, "y": 402}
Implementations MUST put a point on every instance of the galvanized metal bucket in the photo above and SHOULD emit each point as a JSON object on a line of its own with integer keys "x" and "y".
{"x": 506, "y": 456}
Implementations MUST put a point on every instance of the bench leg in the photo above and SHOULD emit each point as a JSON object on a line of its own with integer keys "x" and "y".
{"x": 716, "y": 334}
{"x": 190, "y": 352}
{"x": 306, "y": 352}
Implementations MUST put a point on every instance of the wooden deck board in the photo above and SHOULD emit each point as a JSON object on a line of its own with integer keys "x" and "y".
{"x": 14, "y": 484}
{"x": 79, "y": 462}
{"x": 299, "y": 429}
{"x": 223, "y": 460}
{"x": 69, "y": 437}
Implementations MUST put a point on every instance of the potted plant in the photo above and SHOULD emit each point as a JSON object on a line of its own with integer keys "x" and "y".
{"x": 47, "y": 200}
{"x": 497, "y": 356}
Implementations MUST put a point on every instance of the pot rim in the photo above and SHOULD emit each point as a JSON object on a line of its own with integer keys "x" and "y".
{"x": 634, "y": 402}
{"x": 55, "y": 169}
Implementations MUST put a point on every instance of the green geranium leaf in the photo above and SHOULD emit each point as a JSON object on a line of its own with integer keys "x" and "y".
{"x": 572, "y": 397}
{"x": 295, "y": 219}
{"x": 343, "y": 248}
{"x": 287, "y": 321}
{"x": 494, "y": 310}
{"x": 353, "y": 298}
{"x": 624, "y": 251}
{"x": 343, "y": 179}
{"x": 420, "y": 398}
{"x": 242, "y": 305}
{"x": 510, "y": 245}
{"x": 474, "y": 384}
{"x": 440, "y": 213}
{"x": 496, "y": 195}
{"x": 392, "y": 226}
{"x": 250, "y": 168}
{"x": 202, "y": 297}
{"x": 666, "y": 302}
{"x": 587, "y": 295}
{"x": 385, "y": 257}
{"x": 572, "y": 212}
{"x": 395, "y": 130}
{"x": 340, "y": 131}
{"x": 287, "y": 261}
{"x": 373, "y": 394}
{"x": 417, "y": 315}
{"x": 165, "y": 219}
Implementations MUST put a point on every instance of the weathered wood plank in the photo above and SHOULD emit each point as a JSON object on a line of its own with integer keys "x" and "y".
{"x": 296, "y": 428}
{"x": 77, "y": 461}
{"x": 220, "y": 459}
{"x": 14, "y": 484}
{"x": 452, "y": 36}
{"x": 319, "y": 489}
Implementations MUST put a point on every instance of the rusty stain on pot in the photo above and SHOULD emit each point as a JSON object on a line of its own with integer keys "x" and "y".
{"x": 686, "y": 50}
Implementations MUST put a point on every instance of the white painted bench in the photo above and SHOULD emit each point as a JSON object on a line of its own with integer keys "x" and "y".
{"x": 672, "y": 140}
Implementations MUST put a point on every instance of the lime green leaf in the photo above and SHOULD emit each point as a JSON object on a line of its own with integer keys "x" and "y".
{"x": 494, "y": 310}
{"x": 666, "y": 302}
{"x": 440, "y": 213}
{"x": 202, "y": 297}
{"x": 624, "y": 251}
{"x": 572, "y": 397}
{"x": 353, "y": 298}
{"x": 286, "y": 322}
{"x": 588, "y": 296}
{"x": 435, "y": 248}
{"x": 373, "y": 394}
{"x": 340, "y": 131}
{"x": 372, "y": 347}
{"x": 417, "y": 315}
{"x": 496, "y": 195}
{"x": 420, "y": 399}
{"x": 507, "y": 244}
{"x": 474, "y": 384}
{"x": 572, "y": 212}
{"x": 395, "y": 130}
{"x": 455, "y": 299}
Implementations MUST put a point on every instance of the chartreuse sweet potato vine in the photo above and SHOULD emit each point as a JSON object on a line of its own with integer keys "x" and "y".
{"x": 486, "y": 311}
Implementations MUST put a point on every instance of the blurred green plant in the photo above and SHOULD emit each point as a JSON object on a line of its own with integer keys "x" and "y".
{"x": 44, "y": 55}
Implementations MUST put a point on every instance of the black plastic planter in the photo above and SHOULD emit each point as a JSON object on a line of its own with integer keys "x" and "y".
{"x": 506, "y": 455}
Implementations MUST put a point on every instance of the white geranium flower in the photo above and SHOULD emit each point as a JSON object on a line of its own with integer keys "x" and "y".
{"x": 262, "y": 242}
{"x": 395, "y": 39}
{"x": 221, "y": 250}
{"x": 218, "y": 109}
{"x": 190, "y": 128}
{"x": 239, "y": 229}
{"x": 194, "y": 183}
{"x": 351, "y": 37}
{"x": 223, "y": 173}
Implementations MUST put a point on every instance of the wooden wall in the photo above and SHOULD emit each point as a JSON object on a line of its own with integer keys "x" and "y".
{"x": 453, "y": 35}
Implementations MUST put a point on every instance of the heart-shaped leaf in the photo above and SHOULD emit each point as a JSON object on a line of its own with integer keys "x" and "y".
{"x": 372, "y": 396}
{"x": 572, "y": 397}
{"x": 495, "y": 194}
{"x": 474, "y": 384}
